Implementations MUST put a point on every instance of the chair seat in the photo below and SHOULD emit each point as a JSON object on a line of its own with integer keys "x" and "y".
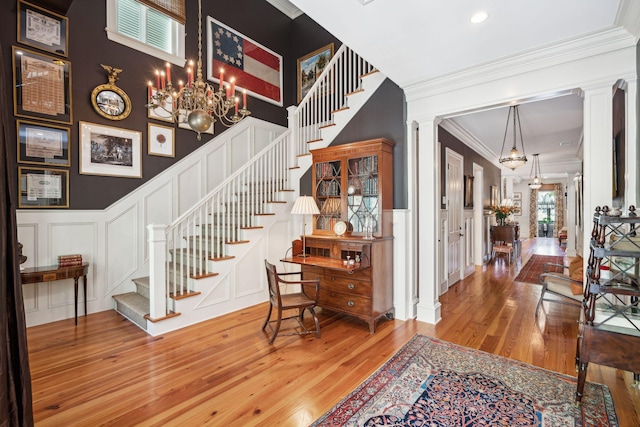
{"x": 561, "y": 285}
{"x": 296, "y": 300}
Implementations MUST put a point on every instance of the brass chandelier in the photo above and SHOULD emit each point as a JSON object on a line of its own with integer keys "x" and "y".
{"x": 198, "y": 101}
{"x": 514, "y": 159}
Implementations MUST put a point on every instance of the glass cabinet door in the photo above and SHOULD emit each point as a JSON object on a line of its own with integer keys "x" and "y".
{"x": 363, "y": 211}
{"x": 328, "y": 193}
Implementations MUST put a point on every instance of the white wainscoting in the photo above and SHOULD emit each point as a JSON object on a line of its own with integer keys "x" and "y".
{"x": 114, "y": 240}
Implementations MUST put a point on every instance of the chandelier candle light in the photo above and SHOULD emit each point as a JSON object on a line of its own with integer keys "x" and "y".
{"x": 514, "y": 160}
{"x": 198, "y": 100}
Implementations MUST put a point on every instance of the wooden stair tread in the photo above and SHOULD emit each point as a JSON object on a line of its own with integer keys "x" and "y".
{"x": 183, "y": 295}
{"x": 222, "y": 258}
{"x": 354, "y": 92}
{"x": 167, "y": 316}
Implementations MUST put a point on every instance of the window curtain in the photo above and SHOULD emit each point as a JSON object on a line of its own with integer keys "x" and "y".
{"x": 559, "y": 221}
{"x": 173, "y": 8}
{"x": 15, "y": 388}
{"x": 533, "y": 213}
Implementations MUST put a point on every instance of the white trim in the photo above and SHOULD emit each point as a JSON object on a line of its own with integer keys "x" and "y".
{"x": 286, "y": 7}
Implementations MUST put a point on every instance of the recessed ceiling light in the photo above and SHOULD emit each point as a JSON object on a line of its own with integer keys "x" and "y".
{"x": 562, "y": 143}
{"x": 479, "y": 17}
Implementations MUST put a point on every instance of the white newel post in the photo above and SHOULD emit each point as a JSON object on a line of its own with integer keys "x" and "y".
{"x": 157, "y": 269}
{"x": 293, "y": 140}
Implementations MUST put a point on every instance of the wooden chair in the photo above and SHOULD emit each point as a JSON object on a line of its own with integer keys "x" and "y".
{"x": 503, "y": 240}
{"x": 288, "y": 301}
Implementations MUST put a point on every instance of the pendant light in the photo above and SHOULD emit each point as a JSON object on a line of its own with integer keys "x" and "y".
{"x": 514, "y": 159}
{"x": 535, "y": 183}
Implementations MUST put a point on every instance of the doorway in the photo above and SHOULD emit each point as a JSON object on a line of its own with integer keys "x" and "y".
{"x": 546, "y": 212}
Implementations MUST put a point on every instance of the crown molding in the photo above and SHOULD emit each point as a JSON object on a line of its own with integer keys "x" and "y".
{"x": 470, "y": 140}
{"x": 286, "y": 7}
{"x": 593, "y": 44}
{"x": 627, "y": 17}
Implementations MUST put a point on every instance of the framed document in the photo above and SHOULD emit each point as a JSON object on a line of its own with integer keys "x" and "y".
{"x": 43, "y": 188}
{"x": 43, "y": 29}
{"x": 41, "y": 86}
{"x": 42, "y": 144}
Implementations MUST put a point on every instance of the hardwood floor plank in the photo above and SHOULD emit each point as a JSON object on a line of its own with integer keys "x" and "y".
{"x": 223, "y": 372}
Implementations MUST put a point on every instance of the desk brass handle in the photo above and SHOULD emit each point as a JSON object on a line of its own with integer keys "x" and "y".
{"x": 351, "y": 303}
{"x": 351, "y": 286}
{"x": 49, "y": 277}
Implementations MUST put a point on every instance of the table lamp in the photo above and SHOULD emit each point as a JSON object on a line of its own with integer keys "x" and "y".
{"x": 305, "y": 205}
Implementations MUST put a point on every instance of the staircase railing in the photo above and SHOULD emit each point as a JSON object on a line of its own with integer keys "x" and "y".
{"x": 203, "y": 232}
{"x": 339, "y": 78}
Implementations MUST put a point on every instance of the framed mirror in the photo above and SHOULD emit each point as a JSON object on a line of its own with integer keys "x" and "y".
{"x": 111, "y": 102}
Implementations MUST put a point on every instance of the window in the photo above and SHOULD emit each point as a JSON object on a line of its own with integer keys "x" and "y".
{"x": 135, "y": 25}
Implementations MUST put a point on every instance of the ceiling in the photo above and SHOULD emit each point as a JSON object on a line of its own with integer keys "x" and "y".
{"x": 415, "y": 41}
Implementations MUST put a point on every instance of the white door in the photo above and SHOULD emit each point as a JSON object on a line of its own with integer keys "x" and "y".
{"x": 454, "y": 193}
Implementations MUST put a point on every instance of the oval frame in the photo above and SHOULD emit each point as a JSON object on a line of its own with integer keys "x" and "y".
{"x": 115, "y": 89}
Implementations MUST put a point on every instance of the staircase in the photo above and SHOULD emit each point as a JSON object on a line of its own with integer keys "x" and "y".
{"x": 207, "y": 241}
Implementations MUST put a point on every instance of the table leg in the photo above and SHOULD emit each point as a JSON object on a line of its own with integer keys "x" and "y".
{"x": 75, "y": 295}
{"x": 84, "y": 281}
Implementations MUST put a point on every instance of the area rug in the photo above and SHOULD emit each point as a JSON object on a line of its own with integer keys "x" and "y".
{"x": 529, "y": 273}
{"x": 436, "y": 383}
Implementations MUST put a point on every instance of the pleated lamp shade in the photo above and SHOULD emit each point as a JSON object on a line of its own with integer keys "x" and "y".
{"x": 305, "y": 205}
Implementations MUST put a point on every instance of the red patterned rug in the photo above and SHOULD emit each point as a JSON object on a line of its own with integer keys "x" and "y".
{"x": 436, "y": 383}
{"x": 529, "y": 273}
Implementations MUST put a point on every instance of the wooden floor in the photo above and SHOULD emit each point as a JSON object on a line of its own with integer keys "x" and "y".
{"x": 223, "y": 372}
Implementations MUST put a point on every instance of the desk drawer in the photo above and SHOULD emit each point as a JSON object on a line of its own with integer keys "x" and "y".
{"x": 345, "y": 303}
{"x": 345, "y": 285}
{"x": 313, "y": 271}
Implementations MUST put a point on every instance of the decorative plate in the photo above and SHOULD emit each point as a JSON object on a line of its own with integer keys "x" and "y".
{"x": 340, "y": 228}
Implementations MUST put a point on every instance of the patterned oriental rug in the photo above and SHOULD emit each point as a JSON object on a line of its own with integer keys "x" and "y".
{"x": 529, "y": 273}
{"x": 432, "y": 383}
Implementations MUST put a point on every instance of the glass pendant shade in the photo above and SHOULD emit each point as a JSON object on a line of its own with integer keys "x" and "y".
{"x": 514, "y": 159}
{"x": 535, "y": 183}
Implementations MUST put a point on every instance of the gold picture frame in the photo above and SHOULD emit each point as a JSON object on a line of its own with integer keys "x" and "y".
{"x": 37, "y": 97}
{"x": 43, "y": 29}
{"x": 41, "y": 143}
{"x": 43, "y": 188}
{"x": 310, "y": 67}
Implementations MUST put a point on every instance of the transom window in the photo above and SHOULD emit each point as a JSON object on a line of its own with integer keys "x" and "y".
{"x": 135, "y": 25}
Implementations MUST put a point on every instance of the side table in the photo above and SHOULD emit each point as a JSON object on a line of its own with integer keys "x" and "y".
{"x": 53, "y": 272}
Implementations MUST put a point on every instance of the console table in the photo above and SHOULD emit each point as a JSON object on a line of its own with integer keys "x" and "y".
{"x": 53, "y": 272}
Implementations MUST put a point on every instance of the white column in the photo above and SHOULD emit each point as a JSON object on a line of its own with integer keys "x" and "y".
{"x": 293, "y": 140}
{"x": 632, "y": 195}
{"x": 572, "y": 222}
{"x": 598, "y": 152}
{"x": 157, "y": 270}
{"x": 428, "y": 309}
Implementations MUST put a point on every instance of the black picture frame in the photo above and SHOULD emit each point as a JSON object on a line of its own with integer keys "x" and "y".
{"x": 43, "y": 144}
{"x": 43, "y": 188}
{"x": 43, "y": 29}
{"x": 37, "y": 97}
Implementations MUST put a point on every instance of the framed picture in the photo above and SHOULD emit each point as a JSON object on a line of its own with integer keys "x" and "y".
{"x": 160, "y": 140}
{"x": 493, "y": 201}
{"x": 106, "y": 150}
{"x": 517, "y": 205}
{"x": 159, "y": 113}
{"x": 41, "y": 86}
{"x": 43, "y": 188}
{"x": 517, "y": 196}
{"x": 42, "y": 144}
{"x": 468, "y": 191}
{"x": 255, "y": 68}
{"x": 310, "y": 67}
{"x": 43, "y": 29}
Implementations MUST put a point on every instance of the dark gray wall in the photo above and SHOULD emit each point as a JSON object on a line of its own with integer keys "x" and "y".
{"x": 89, "y": 47}
{"x": 491, "y": 173}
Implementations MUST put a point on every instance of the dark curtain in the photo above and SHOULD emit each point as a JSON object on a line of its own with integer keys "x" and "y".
{"x": 15, "y": 391}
